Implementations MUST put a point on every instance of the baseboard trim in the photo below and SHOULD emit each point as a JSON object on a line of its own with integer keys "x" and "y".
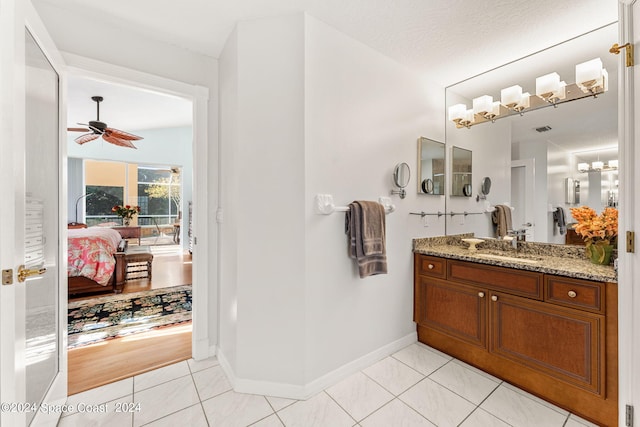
{"x": 350, "y": 368}
{"x": 304, "y": 392}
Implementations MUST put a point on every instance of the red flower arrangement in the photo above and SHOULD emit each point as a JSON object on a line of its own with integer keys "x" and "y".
{"x": 126, "y": 211}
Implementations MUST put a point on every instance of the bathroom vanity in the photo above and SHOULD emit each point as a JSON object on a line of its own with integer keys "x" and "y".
{"x": 542, "y": 320}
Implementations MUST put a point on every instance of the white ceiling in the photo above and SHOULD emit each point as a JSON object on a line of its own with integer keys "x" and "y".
{"x": 126, "y": 108}
{"x": 449, "y": 40}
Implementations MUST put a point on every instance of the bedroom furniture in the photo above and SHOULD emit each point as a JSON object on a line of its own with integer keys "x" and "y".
{"x": 79, "y": 281}
{"x": 176, "y": 232}
{"x": 82, "y": 285}
{"x": 138, "y": 262}
{"x": 130, "y": 232}
{"x": 75, "y": 225}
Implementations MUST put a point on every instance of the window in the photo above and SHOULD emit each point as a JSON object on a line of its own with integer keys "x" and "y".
{"x": 159, "y": 195}
{"x": 100, "y": 200}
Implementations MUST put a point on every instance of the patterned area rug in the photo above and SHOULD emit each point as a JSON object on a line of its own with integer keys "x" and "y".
{"x": 114, "y": 316}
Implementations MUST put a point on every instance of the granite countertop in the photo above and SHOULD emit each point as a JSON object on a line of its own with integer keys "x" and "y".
{"x": 562, "y": 260}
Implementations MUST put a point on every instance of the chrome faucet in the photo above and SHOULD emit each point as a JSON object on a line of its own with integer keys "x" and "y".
{"x": 517, "y": 235}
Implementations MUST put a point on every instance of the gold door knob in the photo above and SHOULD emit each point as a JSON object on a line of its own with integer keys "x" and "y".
{"x": 572, "y": 294}
{"x": 481, "y": 294}
{"x": 494, "y": 298}
{"x": 23, "y": 272}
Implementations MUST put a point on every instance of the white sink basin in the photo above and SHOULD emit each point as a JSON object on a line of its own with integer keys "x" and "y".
{"x": 507, "y": 258}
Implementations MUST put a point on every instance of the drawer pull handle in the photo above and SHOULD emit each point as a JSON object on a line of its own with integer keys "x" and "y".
{"x": 572, "y": 294}
{"x": 494, "y": 298}
{"x": 431, "y": 266}
{"x": 481, "y": 294}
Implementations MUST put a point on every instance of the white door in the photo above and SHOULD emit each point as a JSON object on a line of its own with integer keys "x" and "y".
{"x": 522, "y": 197}
{"x": 629, "y": 262}
{"x": 33, "y": 304}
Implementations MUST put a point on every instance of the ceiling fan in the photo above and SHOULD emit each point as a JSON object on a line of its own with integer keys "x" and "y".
{"x": 97, "y": 128}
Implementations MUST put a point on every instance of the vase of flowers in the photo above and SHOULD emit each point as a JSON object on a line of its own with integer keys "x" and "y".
{"x": 599, "y": 232}
{"x": 126, "y": 212}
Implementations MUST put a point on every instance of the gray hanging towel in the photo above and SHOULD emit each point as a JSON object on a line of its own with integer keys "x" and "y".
{"x": 560, "y": 220}
{"x": 365, "y": 227}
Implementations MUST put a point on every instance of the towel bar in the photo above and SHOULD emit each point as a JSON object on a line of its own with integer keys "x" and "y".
{"x": 324, "y": 205}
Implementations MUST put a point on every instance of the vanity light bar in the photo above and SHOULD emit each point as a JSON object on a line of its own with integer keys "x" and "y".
{"x": 591, "y": 80}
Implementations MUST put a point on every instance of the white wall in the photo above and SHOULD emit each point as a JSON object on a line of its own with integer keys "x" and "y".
{"x": 229, "y": 188}
{"x": 364, "y": 114}
{"x": 307, "y": 110}
{"x": 490, "y": 144}
{"x": 262, "y": 255}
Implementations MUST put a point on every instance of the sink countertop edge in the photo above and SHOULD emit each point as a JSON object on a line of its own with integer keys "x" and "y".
{"x": 569, "y": 267}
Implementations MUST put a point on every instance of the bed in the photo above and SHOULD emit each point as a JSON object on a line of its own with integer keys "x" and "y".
{"x": 95, "y": 260}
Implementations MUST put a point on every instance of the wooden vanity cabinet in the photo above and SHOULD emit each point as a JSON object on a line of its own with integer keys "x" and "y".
{"x": 553, "y": 336}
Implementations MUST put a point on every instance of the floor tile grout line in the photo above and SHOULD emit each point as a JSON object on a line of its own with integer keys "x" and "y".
{"x": 163, "y": 382}
{"x": 386, "y": 389}
{"x": 490, "y": 413}
{"x": 181, "y": 409}
{"x": 388, "y": 403}
{"x": 340, "y": 406}
{"x": 421, "y": 373}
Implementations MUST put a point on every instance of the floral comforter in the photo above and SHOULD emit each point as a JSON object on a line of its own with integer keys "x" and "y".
{"x": 91, "y": 253}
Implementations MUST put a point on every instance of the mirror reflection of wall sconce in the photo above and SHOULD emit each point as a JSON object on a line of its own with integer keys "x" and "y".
{"x": 598, "y": 166}
{"x": 401, "y": 175}
{"x": 592, "y": 79}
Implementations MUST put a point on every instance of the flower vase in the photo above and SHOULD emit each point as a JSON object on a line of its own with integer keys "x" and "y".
{"x": 126, "y": 221}
{"x": 599, "y": 254}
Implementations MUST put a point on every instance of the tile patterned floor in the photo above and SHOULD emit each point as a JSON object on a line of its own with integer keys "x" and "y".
{"x": 417, "y": 386}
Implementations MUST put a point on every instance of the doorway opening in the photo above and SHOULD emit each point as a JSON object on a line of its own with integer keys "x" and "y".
{"x": 166, "y": 149}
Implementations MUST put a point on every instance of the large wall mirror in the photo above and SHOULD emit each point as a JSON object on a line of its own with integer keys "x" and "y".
{"x": 529, "y": 156}
{"x": 431, "y": 165}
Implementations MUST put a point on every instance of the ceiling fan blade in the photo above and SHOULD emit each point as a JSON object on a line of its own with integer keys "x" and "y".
{"x": 78, "y": 130}
{"x": 117, "y": 141}
{"x": 122, "y": 134}
{"x": 86, "y": 138}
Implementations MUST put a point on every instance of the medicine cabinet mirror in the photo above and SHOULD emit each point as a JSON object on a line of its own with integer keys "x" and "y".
{"x": 431, "y": 158}
{"x": 460, "y": 172}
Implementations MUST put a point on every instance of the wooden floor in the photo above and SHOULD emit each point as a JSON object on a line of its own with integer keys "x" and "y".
{"x": 116, "y": 359}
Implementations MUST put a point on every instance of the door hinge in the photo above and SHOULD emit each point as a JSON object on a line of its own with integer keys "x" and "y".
{"x": 631, "y": 241}
{"x": 7, "y": 277}
{"x": 629, "y": 416}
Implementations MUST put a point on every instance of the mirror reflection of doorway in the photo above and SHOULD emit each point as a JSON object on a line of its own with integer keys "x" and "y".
{"x": 522, "y": 197}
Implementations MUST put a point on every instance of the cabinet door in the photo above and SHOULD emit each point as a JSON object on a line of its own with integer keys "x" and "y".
{"x": 564, "y": 343}
{"x": 457, "y": 310}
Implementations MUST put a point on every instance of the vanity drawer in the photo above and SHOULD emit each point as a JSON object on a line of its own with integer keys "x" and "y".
{"x": 516, "y": 282}
{"x": 431, "y": 266}
{"x": 574, "y": 293}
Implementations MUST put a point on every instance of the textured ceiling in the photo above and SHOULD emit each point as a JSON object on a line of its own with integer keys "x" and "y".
{"x": 431, "y": 36}
{"x": 448, "y": 40}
